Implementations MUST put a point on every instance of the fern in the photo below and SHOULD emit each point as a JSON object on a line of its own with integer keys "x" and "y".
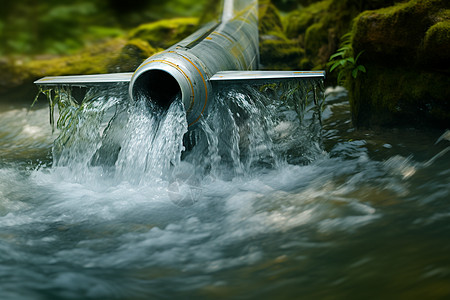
{"x": 344, "y": 61}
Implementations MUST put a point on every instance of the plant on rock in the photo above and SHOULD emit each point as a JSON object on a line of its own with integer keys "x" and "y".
{"x": 345, "y": 62}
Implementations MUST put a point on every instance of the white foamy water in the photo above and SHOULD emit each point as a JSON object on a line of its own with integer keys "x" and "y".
{"x": 248, "y": 204}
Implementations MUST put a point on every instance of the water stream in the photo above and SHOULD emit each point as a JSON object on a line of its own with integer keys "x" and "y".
{"x": 259, "y": 201}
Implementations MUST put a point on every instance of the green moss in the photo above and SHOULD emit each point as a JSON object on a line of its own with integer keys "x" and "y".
{"x": 210, "y": 12}
{"x": 438, "y": 35}
{"x": 389, "y": 96}
{"x": 269, "y": 19}
{"x": 276, "y": 50}
{"x": 280, "y": 54}
{"x": 299, "y": 20}
{"x": 436, "y": 46}
{"x": 93, "y": 60}
{"x": 406, "y": 57}
{"x": 18, "y": 72}
{"x": 132, "y": 55}
{"x": 275, "y": 35}
{"x": 395, "y": 33}
{"x": 306, "y": 64}
{"x": 115, "y": 55}
{"x": 318, "y": 27}
{"x": 315, "y": 37}
{"x": 165, "y": 33}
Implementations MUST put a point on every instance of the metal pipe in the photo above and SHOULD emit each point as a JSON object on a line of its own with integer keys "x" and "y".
{"x": 187, "y": 66}
{"x": 219, "y": 53}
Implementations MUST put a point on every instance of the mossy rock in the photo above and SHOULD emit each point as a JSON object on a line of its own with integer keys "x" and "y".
{"x": 319, "y": 26}
{"x": 407, "y": 60}
{"x": 316, "y": 36}
{"x": 278, "y": 49}
{"x": 165, "y": 33}
{"x": 435, "y": 52}
{"x": 336, "y": 14}
{"x": 92, "y": 60}
{"x": 269, "y": 19}
{"x": 279, "y": 54}
{"x": 116, "y": 55}
{"x": 131, "y": 56}
{"x": 394, "y": 34}
{"x": 387, "y": 96}
{"x": 95, "y": 59}
{"x": 298, "y": 21}
{"x": 311, "y": 34}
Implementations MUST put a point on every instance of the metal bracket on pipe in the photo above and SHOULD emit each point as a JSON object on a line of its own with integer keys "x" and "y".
{"x": 242, "y": 77}
{"x": 85, "y": 80}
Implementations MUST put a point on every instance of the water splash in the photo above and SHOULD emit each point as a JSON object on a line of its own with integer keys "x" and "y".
{"x": 246, "y": 128}
{"x": 105, "y": 236}
{"x": 152, "y": 143}
{"x": 251, "y": 128}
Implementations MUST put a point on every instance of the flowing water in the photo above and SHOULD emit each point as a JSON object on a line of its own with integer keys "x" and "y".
{"x": 257, "y": 202}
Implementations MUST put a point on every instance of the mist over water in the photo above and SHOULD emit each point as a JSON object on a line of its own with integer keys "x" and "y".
{"x": 258, "y": 200}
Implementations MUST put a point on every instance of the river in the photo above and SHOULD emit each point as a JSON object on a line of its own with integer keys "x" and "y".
{"x": 255, "y": 206}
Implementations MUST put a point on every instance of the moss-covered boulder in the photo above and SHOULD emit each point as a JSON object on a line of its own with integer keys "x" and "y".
{"x": 276, "y": 50}
{"x": 165, "y": 33}
{"x": 318, "y": 26}
{"x": 122, "y": 54}
{"x": 19, "y": 72}
{"x": 435, "y": 52}
{"x": 132, "y": 54}
{"x": 269, "y": 19}
{"x": 310, "y": 28}
{"x": 400, "y": 96}
{"x": 95, "y": 59}
{"x": 407, "y": 57}
{"x": 298, "y": 21}
{"x": 397, "y": 32}
{"x": 277, "y": 53}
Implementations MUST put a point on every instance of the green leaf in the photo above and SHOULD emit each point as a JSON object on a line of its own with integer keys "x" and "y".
{"x": 337, "y": 54}
{"x": 346, "y": 36}
{"x": 340, "y": 77}
{"x": 346, "y": 39}
{"x": 362, "y": 68}
{"x": 329, "y": 64}
{"x": 337, "y": 64}
{"x": 344, "y": 48}
{"x": 354, "y": 73}
{"x": 351, "y": 60}
{"x": 359, "y": 54}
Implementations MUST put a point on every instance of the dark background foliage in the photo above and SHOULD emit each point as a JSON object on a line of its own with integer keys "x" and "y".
{"x": 64, "y": 26}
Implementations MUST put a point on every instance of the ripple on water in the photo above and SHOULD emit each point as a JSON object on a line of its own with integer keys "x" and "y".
{"x": 345, "y": 219}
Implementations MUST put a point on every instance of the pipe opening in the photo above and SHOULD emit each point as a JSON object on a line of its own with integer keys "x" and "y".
{"x": 158, "y": 86}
